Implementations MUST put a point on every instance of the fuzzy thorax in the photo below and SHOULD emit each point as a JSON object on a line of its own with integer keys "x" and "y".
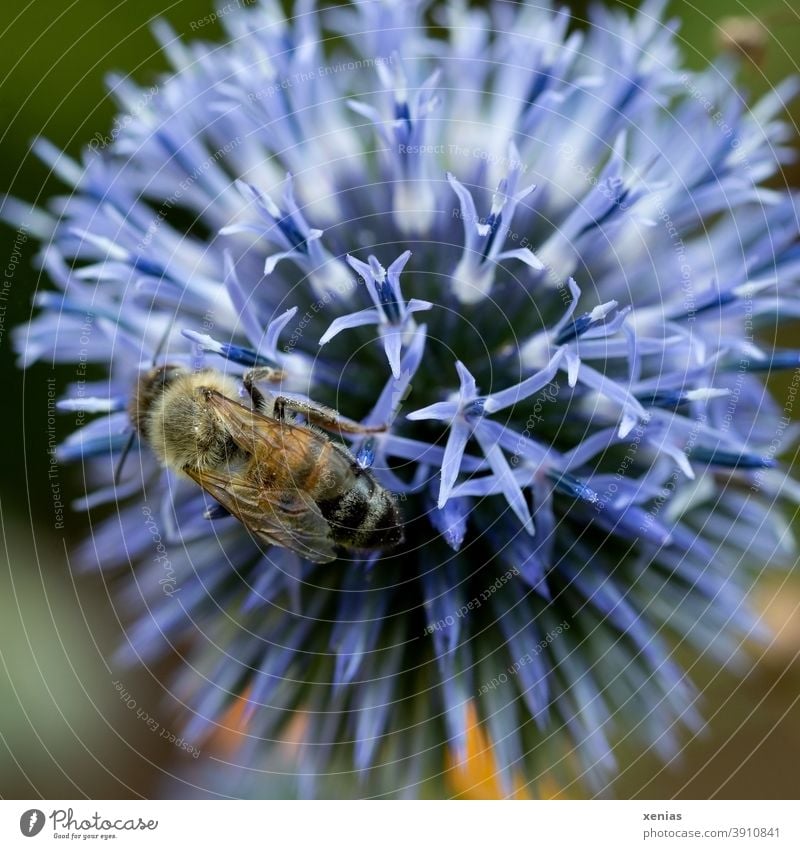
{"x": 171, "y": 412}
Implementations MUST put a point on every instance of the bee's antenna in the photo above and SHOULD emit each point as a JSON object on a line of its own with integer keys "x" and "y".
{"x": 161, "y": 345}
{"x": 125, "y": 451}
{"x": 129, "y": 444}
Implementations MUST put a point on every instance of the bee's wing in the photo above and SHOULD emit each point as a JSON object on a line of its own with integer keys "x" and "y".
{"x": 287, "y": 518}
{"x": 253, "y": 431}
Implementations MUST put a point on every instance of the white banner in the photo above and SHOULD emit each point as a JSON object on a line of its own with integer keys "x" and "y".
{"x": 402, "y": 825}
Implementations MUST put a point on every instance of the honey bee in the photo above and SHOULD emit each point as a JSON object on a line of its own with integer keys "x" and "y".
{"x": 286, "y": 481}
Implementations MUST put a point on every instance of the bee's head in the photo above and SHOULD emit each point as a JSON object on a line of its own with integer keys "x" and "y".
{"x": 152, "y": 385}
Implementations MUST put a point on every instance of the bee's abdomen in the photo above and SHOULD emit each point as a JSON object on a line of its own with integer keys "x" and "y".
{"x": 365, "y": 516}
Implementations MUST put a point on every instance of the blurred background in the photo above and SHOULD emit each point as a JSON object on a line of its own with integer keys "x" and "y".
{"x": 65, "y": 732}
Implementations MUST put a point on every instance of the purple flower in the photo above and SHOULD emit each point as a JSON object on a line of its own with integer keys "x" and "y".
{"x": 578, "y": 434}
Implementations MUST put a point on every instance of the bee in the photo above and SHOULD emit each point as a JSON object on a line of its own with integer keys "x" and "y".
{"x": 285, "y": 480}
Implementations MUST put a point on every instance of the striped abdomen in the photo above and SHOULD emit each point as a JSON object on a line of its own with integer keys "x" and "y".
{"x": 360, "y": 512}
{"x": 365, "y": 516}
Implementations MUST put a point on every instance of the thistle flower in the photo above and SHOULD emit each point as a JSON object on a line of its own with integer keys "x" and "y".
{"x": 539, "y": 254}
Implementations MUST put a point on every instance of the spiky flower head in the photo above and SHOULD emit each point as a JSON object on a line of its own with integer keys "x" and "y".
{"x": 539, "y": 253}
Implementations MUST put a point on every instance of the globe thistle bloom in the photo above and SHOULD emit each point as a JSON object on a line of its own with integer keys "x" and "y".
{"x": 539, "y": 255}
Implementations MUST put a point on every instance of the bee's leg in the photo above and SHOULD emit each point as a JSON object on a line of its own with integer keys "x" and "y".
{"x": 321, "y": 416}
{"x": 262, "y": 374}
